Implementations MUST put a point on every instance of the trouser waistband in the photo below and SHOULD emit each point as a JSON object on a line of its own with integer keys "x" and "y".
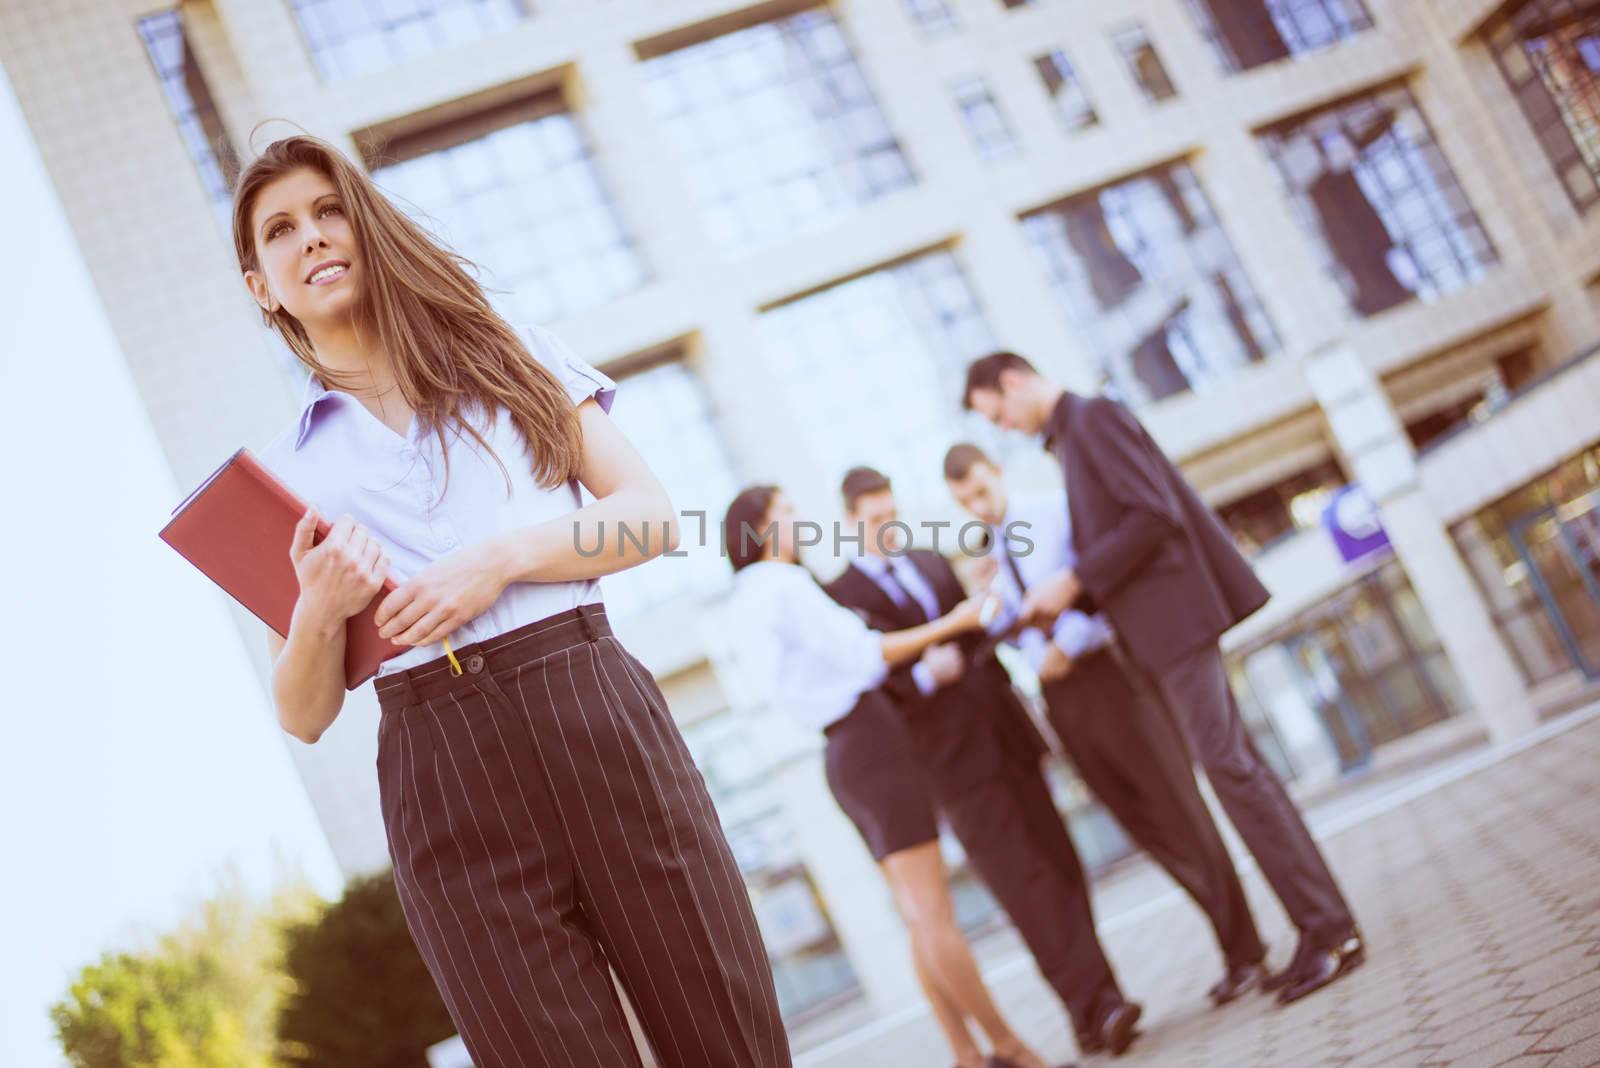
{"x": 532, "y": 642}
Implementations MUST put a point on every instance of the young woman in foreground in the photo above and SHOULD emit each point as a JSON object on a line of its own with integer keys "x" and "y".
{"x": 544, "y": 817}
{"x": 823, "y": 667}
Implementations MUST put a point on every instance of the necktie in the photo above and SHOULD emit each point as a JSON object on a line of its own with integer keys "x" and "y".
{"x": 1016, "y": 572}
{"x": 898, "y": 590}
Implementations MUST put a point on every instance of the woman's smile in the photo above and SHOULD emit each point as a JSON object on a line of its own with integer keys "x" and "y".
{"x": 328, "y": 272}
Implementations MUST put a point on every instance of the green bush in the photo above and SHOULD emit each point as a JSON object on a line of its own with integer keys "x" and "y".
{"x": 359, "y": 994}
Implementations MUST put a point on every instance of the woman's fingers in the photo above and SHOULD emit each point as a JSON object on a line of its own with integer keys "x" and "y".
{"x": 305, "y": 534}
{"x": 402, "y": 622}
{"x": 432, "y": 628}
{"x": 375, "y": 565}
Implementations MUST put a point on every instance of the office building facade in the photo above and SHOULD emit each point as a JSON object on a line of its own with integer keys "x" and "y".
{"x": 1314, "y": 243}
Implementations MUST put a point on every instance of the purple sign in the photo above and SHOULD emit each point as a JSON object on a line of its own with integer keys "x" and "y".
{"x": 1352, "y": 519}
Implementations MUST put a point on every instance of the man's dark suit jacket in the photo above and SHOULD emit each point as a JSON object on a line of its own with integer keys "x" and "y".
{"x": 968, "y": 733}
{"x": 1151, "y": 554}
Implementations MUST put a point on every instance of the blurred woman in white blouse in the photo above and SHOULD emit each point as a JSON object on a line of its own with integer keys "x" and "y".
{"x": 822, "y": 667}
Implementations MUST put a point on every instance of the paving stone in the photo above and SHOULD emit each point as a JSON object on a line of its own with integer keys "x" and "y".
{"x": 1578, "y": 1008}
{"x": 1400, "y": 1049}
{"x": 1558, "y": 994}
{"x": 1489, "y": 1033}
{"x": 1585, "y": 1027}
{"x": 1585, "y": 1054}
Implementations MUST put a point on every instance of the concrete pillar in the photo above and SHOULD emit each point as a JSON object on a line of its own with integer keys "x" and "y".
{"x": 847, "y": 879}
{"x": 1369, "y": 433}
{"x": 857, "y": 898}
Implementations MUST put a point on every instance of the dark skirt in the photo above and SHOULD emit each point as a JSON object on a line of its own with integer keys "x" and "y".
{"x": 547, "y": 826}
{"x": 873, "y": 773}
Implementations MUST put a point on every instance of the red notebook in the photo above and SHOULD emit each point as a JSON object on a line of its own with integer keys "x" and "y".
{"x": 237, "y": 529}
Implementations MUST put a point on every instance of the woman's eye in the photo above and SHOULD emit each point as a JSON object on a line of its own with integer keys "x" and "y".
{"x": 276, "y": 229}
{"x": 330, "y": 209}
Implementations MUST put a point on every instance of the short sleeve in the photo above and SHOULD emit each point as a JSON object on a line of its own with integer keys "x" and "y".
{"x": 581, "y": 379}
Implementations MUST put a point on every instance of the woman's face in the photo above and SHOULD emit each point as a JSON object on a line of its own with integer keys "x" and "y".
{"x": 782, "y": 521}
{"x": 308, "y": 261}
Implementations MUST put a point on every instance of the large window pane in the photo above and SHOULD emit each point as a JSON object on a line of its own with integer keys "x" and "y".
{"x": 189, "y": 99}
{"x": 351, "y": 37}
{"x": 1371, "y": 186}
{"x": 665, "y": 412}
{"x": 1549, "y": 51}
{"x": 1249, "y": 33}
{"x": 1144, "y": 271}
{"x": 526, "y": 203}
{"x": 874, "y": 368}
{"x": 776, "y": 126}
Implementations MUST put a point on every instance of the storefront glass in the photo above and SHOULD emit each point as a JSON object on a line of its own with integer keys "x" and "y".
{"x": 1366, "y": 663}
{"x": 1536, "y": 556}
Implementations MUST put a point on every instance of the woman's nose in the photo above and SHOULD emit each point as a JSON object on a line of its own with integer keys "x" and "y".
{"x": 315, "y": 240}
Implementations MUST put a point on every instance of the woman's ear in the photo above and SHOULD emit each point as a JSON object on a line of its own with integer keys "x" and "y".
{"x": 259, "y": 290}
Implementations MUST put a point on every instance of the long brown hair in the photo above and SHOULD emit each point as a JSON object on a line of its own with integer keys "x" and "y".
{"x": 453, "y": 354}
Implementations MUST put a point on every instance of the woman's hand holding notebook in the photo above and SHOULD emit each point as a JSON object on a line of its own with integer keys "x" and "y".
{"x": 237, "y": 528}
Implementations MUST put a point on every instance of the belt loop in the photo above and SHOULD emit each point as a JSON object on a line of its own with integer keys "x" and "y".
{"x": 590, "y": 632}
{"x": 404, "y": 688}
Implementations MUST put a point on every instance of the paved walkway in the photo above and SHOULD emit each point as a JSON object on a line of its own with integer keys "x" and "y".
{"x": 1480, "y": 900}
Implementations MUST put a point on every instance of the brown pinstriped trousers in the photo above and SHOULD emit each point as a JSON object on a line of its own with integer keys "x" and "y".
{"x": 546, "y": 822}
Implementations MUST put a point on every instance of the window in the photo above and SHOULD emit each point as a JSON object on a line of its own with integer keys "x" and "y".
{"x": 933, "y": 17}
{"x": 875, "y": 365}
{"x": 667, "y": 415}
{"x": 1368, "y": 181}
{"x": 518, "y": 192}
{"x": 352, "y": 37}
{"x": 776, "y": 126}
{"x": 1143, "y": 62}
{"x": 189, "y": 98}
{"x": 1365, "y": 662}
{"x": 1549, "y": 52}
{"x": 1295, "y": 503}
{"x": 1065, "y": 90}
{"x": 985, "y": 122}
{"x": 1144, "y": 270}
{"x": 1472, "y": 398}
{"x": 1249, "y": 33}
{"x": 1535, "y": 554}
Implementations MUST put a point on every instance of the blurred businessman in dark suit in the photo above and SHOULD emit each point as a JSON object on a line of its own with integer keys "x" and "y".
{"x": 1162, "y": 567}
{"x": 981, "y": 754}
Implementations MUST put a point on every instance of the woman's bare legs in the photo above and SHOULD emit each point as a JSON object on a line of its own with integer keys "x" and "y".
{"x": 917, "y": 879}
{"x": 954, "y": 1025}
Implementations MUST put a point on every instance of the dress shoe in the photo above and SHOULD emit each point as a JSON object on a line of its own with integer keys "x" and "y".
{"x": 1240, "y": 980}
{"x": 1119, "y": 1027}
{"x": 1324, "y": 966}
{"x": 1275, "y": 981}
{"x": 1001, "y": 1062}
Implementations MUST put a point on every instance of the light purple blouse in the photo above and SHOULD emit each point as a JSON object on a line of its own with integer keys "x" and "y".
{"x": 339, "y": 457}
